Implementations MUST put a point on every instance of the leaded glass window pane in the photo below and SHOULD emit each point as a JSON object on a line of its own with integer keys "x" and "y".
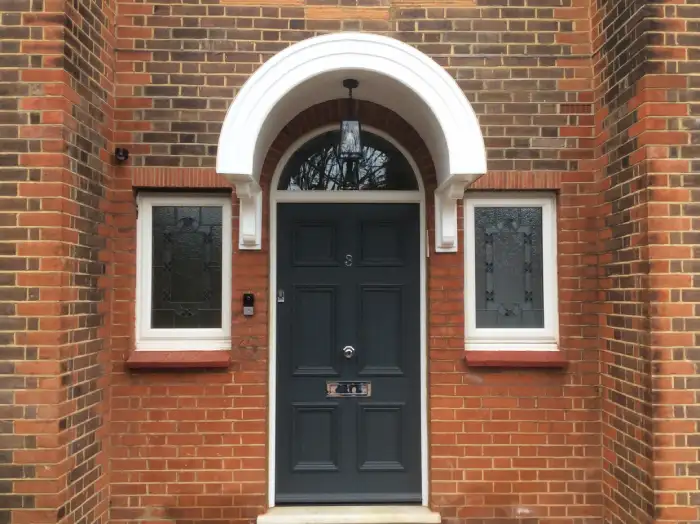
{"x": 186, "y": 288}
{"x": 317, "y": 166}
{"x": 508, "y": 265}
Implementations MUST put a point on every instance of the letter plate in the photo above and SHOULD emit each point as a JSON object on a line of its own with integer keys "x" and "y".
{"x": 348, "y": 389}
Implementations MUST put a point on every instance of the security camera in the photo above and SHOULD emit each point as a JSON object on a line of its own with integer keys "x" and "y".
{"x": 121, "y": 154}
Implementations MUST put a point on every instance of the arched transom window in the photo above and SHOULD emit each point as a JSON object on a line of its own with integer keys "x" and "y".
{"x": 317, "y": 166}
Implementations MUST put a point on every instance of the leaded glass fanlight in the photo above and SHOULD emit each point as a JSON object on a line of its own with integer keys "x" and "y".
{"x": 319, "y": 166}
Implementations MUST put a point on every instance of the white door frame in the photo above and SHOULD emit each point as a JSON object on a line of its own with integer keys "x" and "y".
{"x": 311, "y": 197}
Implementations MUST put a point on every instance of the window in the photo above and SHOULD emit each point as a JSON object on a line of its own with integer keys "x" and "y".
{"x": 183, "y": 277}
{"x": 317, "y": 166}
{"x": 511, "y": 273}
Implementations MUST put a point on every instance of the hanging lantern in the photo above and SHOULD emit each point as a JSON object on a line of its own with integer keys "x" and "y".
{"x": 350, "y": 143}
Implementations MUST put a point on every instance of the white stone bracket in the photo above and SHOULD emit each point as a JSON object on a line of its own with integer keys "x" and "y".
{"x": 446, "y": 197}
{"x": 250, "y": 211}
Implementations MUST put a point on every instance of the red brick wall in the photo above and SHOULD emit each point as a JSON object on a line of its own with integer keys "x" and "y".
{"x": 56, "y": 97}
{"x": 526, "y": 70}
{"x": 525, "y": 443}
{"x": 22, "y": 443}
{"x": 89, "y": 62}
{"x": 187, "y": 447}
{"x": 499, "y": 441}
{"x": 645, "y": 136}
{"x": 668, "y": 100}
{"x": 592, "y": 98}
{"x": 620, "y": 61}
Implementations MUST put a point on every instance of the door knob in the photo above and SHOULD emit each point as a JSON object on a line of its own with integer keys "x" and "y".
{"x": 348, "y": 351}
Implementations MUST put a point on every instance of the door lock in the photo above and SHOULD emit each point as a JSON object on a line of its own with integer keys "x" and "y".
{"x": 348, "y": 352}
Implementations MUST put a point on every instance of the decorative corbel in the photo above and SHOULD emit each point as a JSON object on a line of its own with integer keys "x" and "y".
{"x": 446, "y": 197}
{"x": 250, "y": 214}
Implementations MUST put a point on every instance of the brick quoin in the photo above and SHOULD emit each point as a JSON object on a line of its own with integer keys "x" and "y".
{"x": 56, "y": 123}
{"x": 644, "y": 98}
{"x": 596, "y": 100}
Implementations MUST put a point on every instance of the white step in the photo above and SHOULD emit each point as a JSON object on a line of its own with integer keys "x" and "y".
{"x": 349, "y": 515}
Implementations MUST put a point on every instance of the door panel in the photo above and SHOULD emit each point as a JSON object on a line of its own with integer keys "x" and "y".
{"x": 315, "y": 434}
{"x": 381, "y": 439}
{"x": 380, "y": 330}
{"x": 350, "y": 276}
{"x": 315, "y": 244}
{"x": 381, "y": 243}
{"x": 313, "y": 340}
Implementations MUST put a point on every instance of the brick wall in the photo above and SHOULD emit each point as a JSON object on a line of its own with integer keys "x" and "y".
{"x": 645, "y": 132}
{"x": 669, "y": 101}
{"x": 526, "y": 70}
{"x": 620, "y": 61}
{"x": 595, "y": 99}
{"x": 56, "y": 96}
{"x": 28, "y": 389}
{"x": 88, "y": 63}
{"x": 501, "y": 442}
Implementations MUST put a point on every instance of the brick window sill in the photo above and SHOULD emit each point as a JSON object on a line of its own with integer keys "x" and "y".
{"x": 515, "y": 359}
{"x": 178, "y": 359}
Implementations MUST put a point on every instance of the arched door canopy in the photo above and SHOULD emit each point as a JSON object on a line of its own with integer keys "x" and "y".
{"x": 396, "y": 76}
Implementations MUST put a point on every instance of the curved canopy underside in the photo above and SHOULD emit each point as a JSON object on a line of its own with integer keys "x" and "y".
{"x": 392, "y": 74}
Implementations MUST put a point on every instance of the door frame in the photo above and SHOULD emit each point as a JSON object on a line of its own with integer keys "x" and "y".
{"x": 346, "y": 197}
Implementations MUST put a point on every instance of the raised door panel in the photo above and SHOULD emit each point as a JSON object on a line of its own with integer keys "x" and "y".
{"x": 380, "y": 436}
{"x": 381, "y": 328}
{"x": 314, "y": 330}
{"x": 315, "y": 435}
{"x": 381, "y": 243}
{"x": 315, "y": 244}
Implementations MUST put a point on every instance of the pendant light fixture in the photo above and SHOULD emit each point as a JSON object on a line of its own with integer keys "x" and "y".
{"x": 350, "y": 143}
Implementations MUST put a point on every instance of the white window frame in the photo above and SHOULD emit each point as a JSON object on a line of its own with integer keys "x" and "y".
{"x": 518, "y": 339}
{"x": 194, "y": 339}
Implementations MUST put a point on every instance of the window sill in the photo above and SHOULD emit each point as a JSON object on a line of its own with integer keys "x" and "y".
{"x": 515, "y": 359}
{"x": 186, "y": 342}
{"x": 178, "y": 359}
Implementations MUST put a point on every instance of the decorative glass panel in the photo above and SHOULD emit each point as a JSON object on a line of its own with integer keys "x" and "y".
{"x": 317, "y": 166}
{"x": 509, "y": 274}
{"x": 186, "y": 289}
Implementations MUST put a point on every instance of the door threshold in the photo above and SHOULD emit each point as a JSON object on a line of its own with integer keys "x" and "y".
{"x": 374, "y": 514}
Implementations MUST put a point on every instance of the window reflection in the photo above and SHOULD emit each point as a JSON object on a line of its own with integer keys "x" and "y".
{"x": 317, "y": 166}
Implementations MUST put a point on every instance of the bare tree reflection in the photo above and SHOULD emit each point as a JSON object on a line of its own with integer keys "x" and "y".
{"x": 317, "y": 166}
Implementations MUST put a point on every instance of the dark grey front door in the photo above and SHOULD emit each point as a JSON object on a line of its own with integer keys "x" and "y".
{"x": 348, "y": 279}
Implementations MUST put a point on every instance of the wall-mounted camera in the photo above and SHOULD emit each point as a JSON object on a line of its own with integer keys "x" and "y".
{"x": 121, "y": 154}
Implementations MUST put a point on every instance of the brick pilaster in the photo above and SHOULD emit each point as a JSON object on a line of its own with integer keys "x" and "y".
{"x": 56, "y": 79}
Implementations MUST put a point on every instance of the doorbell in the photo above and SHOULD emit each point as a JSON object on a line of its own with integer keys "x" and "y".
{"x": 248, "y": 304}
